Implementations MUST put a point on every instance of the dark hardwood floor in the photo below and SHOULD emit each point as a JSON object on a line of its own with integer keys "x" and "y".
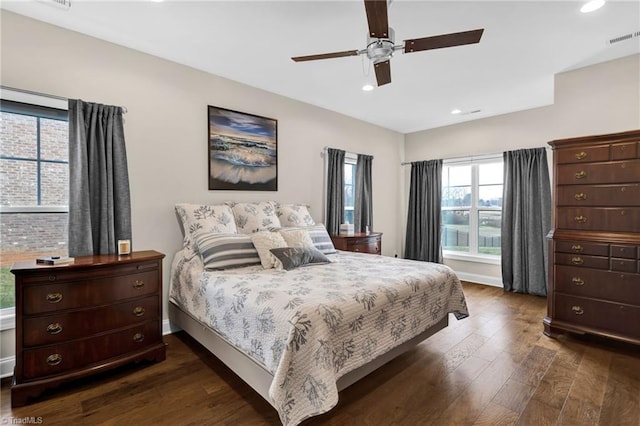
{"x": 493, "y": 368}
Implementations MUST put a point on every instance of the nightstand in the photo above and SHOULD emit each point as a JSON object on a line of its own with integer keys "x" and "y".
{"x": 77, "y": 319}
{"x": 359, "y": 242}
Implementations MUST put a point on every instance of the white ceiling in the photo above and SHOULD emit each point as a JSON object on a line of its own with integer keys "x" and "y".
{"x": 512, "y": 68}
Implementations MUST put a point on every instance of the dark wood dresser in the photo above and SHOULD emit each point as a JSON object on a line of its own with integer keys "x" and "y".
{"x": 359, "y": 242}
{"x": 594, "y": 273}
{"x": 86, "y": 317}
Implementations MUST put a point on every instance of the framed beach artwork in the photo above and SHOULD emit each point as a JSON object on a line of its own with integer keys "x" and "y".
{"x": 243, "y": 151}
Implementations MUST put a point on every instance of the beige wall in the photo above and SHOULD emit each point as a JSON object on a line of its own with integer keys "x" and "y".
{"x": 166, "y": 129}
{"x": 598, "y": 99}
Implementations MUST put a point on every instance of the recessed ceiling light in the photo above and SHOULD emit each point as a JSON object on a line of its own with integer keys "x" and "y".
{"x": 456, "y": 111}
{"x": 367, "y": 87}
{"x": 591, "y": 6}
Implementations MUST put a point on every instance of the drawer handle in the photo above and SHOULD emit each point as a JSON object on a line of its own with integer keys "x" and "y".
{"x": 138, "y": 284}
{"x": 138, "y": 337}
{"x": 577, "y": 281}
{"x": 52, "y": 277}
{"x": 577, "y": 310}
{"x": 138, "y": 311}
{"x": 54, "y": 297}
{"x": 577, "y": 247}
{"x": 54, "y": 359}
{"x": 580, "y": 196}
{"x": 577, "y": 260}
{"x": 581, "y": 155}
{"x": 581, "y": 174}
{"x": 580, "y": 219}
{"x": 54, "y": 328}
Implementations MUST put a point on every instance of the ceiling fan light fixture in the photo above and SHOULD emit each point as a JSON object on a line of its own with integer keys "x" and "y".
{"x": 367, "y": 87}
{"x": 592, "y": 5}
{"x": 456, "y": 111}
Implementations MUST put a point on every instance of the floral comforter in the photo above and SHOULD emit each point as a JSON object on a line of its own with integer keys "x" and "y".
{"x": 310, "y": 326}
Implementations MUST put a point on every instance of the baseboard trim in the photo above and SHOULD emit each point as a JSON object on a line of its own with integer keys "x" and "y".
{"x": 6, "y": 366}
{"x": 480, "y": 279}
{"x": 168, "y": 327}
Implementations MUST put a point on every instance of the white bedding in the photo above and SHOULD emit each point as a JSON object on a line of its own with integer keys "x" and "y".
{"x": 310, "y": 326}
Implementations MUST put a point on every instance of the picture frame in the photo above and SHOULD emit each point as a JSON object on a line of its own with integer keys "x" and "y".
{"x": 243, "y": 151}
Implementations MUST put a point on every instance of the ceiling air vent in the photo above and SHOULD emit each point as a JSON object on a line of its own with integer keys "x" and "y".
{"x": 624, "y": 37}
{"x": 60, "y": 4}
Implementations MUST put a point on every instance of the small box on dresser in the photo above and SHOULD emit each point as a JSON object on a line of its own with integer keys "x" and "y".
{"x": 77, "y": 319}
{"x": 594, "y": 256}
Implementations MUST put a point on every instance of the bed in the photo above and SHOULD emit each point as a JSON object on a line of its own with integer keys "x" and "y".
{"x": 298, "y": 337}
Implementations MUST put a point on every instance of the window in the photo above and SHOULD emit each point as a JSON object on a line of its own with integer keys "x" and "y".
{"x": 350, "y": 161}
{"x": 472, "y": 207}
{"x": 34, "y": 176}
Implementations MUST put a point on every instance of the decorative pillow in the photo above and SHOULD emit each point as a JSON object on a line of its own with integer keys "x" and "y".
{"x": 297, "y": 238}
{"x": 198, "y": 218}
{"x": 254, "y": 217}
{"x": 294, "y": 257}
{"x": 294, "y": 215}
{"x": 319, "y": 236}
{"x": 265, "y": 241}
{"x": 225, "y": 251}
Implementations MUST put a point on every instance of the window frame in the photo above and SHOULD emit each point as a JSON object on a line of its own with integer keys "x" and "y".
{"x": 474, "y": 209}
{"x": 7, "y": 315}
{"x": 349, "y": 159}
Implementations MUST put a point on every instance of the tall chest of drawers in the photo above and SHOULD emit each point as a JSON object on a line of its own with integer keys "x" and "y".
{"x": 78, "y": 319}
{"x": 594, "y": 282}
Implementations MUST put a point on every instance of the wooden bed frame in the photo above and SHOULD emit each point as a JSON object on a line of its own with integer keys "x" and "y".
{"x": 256, "y": 375}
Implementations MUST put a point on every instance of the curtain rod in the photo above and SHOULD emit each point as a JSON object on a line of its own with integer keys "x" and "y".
{"x": 326, "y": 148}
{"x": 472, "y": 157}
{"x": 60, "y": 98}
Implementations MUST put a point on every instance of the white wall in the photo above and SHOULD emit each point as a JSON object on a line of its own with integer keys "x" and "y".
{"x": 166, "y": 129}
{"x": 603, "y": 98}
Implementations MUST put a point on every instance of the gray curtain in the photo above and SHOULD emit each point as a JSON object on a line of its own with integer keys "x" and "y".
{"x": 424, "y": 219}
{"x": 335, "y": 190}
{"x": 526, "y": 220}
{"x": 99, "y": 201}
{"x": 363, "y": 208}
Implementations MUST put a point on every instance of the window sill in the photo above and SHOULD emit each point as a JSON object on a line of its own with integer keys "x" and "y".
{"x": 476, "y": 258}
{"x": 7, "y": 319}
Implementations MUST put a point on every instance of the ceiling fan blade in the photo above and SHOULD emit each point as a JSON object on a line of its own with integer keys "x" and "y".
{"x": 326, "y": 56}
{"x": 444, "y": 40}
{"x": 383, "y": 73}
{"x": 377, "y": 18}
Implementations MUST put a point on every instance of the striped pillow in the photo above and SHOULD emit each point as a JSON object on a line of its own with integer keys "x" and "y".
{"x": 319, "y": 236}
{"x": 224, "y": 251}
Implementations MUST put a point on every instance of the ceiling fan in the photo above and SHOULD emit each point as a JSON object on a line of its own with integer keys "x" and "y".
{"x": 381, "y": 42}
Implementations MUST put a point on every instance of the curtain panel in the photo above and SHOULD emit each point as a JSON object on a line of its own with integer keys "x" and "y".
{"x": 335, "y": 190}
{"x": 363, "y": 208}
{"x": 526, "y": 220}
{"x": 99, "y": 199}
{"x": 424, "y": 219}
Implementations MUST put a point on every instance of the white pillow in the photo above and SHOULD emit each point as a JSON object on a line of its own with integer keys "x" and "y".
{"x": 294, "y": 215}
{"x": 198, "y": 218}
{"x": 265, "y": 241}
{"x": 254, "y": 217}
{"x": 319, "y": 236}
{"x": 297, "y": 238}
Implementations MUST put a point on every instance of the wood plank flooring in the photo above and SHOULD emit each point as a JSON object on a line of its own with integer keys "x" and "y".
{"x": 493, "y": 368}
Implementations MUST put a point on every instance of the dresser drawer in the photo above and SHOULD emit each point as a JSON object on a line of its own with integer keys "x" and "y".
{"x": 598, "y": 284}
{"x": 599, "y": 195}
{"x": 623, "y": 265}
{"x": 364, "y": 246}
{"x": 623, "y": 151}
{"x": 627, "y": 171}
{"x": 582, "y": 247}
{"x": 48, "y": 329}
{"x": 624, "y": 251}
{"x": 582, "y": 154}
{"x": 585, "y": 261}
{"x": 92, "y": 292}
{"x": 74, "y": 272}
{"x": 56, "y": 359}
{"x": 609, "y": 316}
{"x": 611, "y": 219}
